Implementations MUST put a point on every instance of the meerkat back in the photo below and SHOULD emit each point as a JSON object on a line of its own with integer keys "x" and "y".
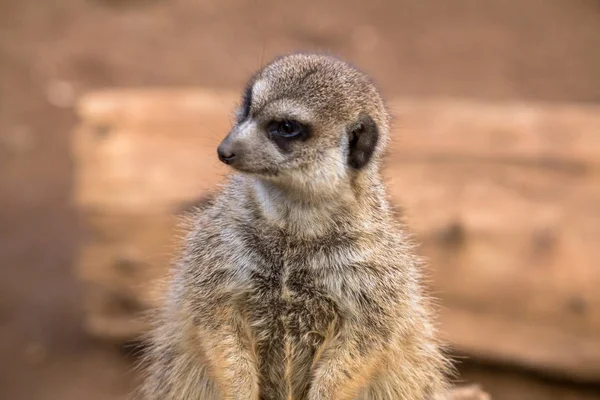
{"x": 296, "y": 281}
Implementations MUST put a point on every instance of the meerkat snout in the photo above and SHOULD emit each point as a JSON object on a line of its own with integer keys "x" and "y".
{"x": 228, "y": 151}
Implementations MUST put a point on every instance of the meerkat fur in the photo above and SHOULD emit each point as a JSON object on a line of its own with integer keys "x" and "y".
{"x": 296, "y": 281}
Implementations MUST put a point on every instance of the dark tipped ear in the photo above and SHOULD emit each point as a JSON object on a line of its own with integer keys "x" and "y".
{"x": 363, "y": 137}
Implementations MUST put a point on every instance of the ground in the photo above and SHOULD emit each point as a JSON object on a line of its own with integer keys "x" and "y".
{"x": 54, "y": 50}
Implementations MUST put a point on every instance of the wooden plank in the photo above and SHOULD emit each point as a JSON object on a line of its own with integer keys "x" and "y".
{"x": 566, "y": 135}
{"x": 499, "y": 337}
{"x": 108, "y": 142}
{"x": 505, "y": 199}
{"x": 134, "y": 168}
{"x": 128, "y": 253}
{"x": 469, "y": 392}
{"x": 498, "y": 232}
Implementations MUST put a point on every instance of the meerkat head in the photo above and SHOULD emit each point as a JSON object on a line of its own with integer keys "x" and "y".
{"x": 309, "y": 123}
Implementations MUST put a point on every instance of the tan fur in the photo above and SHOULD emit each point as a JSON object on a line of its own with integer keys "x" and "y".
{"x": 296, "y": 281}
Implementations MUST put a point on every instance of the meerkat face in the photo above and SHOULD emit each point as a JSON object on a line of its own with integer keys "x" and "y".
{"x": 306, "y": 121}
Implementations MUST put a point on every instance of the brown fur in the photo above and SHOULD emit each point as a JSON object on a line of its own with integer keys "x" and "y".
{"x": 296, "y": 281}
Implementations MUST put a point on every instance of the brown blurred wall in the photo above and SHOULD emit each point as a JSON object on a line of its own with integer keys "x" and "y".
{"x": 53, "y": 50}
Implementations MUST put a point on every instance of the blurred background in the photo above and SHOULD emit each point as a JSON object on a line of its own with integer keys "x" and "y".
{"x": 495, "y": 52}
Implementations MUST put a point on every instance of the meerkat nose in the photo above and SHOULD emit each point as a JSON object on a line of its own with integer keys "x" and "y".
{"x": 226, "y": 153}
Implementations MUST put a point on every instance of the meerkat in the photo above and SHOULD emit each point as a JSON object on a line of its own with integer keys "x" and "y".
{"x": 296, "y": 281}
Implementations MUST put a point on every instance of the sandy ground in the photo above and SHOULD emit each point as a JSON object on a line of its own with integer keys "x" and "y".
{"x": 53, "y": 50}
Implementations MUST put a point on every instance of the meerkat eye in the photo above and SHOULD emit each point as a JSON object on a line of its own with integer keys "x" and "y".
{"x": 286, "y": 128}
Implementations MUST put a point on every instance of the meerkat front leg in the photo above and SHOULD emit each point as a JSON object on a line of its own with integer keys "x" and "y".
{"x": 232, "y": 363}
{"x": 346, "y": 365}
{"x": 200, "y": 353}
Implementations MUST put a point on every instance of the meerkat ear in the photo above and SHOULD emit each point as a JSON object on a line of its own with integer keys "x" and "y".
{"x": 363, "y": 137}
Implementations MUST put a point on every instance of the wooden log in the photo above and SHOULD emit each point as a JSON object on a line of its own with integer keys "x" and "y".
{"x": 505, "y": 199}
{"x": 470, "y": 392}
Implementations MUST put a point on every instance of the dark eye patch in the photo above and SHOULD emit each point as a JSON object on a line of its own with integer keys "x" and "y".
{"x": 284, "y": 132}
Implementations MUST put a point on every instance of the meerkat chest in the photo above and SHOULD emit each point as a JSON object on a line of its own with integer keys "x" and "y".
{"x": 295, "y": 302}
{"x": 290, "y": 315}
